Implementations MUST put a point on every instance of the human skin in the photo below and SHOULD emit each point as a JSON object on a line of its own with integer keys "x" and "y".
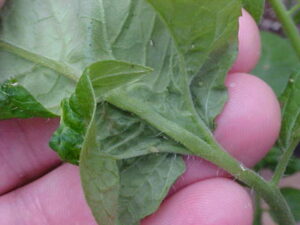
{"x": 249, "y": 45}
{"x": 1, "y": 3}
{"x": 37, "y": 189}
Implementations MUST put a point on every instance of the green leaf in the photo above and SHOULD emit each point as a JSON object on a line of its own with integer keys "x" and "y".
{"x": 292, "y": 197}
{"x": 186, "y": 43}
{"x": 278, "y": 61}
{"x": 255, "y": 8}
{"x": 144, "y": 183}
{"x": 290, "y": 128}
{"x": 99, "y": 174}
{"x": 100, "y": 181}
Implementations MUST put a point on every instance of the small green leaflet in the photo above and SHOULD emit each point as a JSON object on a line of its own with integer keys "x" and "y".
{"x": 290, "y": 129}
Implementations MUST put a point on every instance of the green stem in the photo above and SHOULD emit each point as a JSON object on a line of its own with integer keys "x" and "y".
{"x": 288, "y": 24}
{"x": 258, "y": 211}
{"x": 283, "y": 162}
{"x": 211, "y": 152}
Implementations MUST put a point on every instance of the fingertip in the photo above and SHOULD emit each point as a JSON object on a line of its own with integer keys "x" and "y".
{"x": 216, "y": 201}
{"x": 249, "y": 45}
{"x": 250, "y": 121}
{"x": 56, "y": 198}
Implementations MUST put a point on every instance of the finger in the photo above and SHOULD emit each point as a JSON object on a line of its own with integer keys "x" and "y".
{"x": 55, "y": 199}
{"x": 247, "y": 127}
{"x": 250, "y": 121}
{"x": 216, "y": 201}
{"x": 1, "y": 3}
{"x": 248, "y": 46}
{"x": 24, "y": 151}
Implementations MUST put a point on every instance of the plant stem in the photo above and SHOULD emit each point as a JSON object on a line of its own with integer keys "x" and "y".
{"x": 289, "y": 26}
{"x": 283, "y": 162}
{"x": 258, "y": 211}
{"x": 209, "y": 151}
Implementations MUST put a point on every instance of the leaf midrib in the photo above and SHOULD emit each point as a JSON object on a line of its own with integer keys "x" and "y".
{"x": 59, "y": 67}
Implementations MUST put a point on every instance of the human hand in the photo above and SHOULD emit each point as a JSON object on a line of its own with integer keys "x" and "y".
{"x": 37, "y": 189}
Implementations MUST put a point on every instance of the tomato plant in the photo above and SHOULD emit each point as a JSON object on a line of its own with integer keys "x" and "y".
{"x": 141, "y": 85}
